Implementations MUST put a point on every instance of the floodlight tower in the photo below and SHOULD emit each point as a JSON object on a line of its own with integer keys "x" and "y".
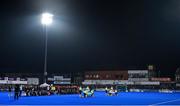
{"x": 46, "y": 20}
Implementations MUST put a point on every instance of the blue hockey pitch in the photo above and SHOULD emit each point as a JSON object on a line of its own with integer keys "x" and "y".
{"x": 123, "y": 98}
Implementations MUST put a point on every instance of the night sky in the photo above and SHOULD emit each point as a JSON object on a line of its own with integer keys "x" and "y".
{"x": 90, "y": 35}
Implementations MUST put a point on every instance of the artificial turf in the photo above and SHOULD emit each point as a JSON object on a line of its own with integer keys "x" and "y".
{"x": 99, "y": 98}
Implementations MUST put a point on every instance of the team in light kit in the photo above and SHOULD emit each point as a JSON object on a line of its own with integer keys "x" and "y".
{"x": 87, "y": 92}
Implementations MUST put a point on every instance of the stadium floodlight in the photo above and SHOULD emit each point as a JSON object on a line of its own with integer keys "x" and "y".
{"x": 46, "y": 19}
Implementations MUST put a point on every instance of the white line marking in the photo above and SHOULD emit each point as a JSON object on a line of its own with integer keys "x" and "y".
{"x": 165, "y": 102}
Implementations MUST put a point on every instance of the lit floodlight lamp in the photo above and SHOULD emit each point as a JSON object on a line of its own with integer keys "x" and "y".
{"x": 46, "y": 18}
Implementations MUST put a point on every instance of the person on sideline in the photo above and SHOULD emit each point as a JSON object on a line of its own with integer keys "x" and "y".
{"x": 10, "y": 91}
{"x": 16, "y": 92}
{"x": 80, "y": 90}
{"x": 20, "y": 90}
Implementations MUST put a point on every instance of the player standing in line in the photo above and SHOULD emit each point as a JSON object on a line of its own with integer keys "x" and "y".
{"x": 16, "y": 92}
{"x": 10, "y": 91}
{"x": 80, "y": 90}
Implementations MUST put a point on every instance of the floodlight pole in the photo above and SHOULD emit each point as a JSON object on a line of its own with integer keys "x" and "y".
{"x": 45, "y": 56}
{"x": 46, "y": 20}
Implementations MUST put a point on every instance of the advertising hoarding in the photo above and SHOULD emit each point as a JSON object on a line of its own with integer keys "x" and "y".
{"x": 33, "y": 81}
{"x": 161, "y": 79}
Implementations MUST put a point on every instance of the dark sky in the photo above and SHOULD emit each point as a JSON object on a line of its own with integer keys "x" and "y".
{"x": 90, "y": 35}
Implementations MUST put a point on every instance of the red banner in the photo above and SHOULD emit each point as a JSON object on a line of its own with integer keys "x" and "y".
{"x": 161, "y": 79}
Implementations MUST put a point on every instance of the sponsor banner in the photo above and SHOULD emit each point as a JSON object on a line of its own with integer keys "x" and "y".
{"x": 138, "y": 79}
{"x": 66, "y": 79}
{"x": 61, "y": 82}
{"x": 33, "y": 81}
{"x": 12, "y": 81}
{"x": 137, "y": 71}
{"x": 99, "y": 81}
{"x": 3, "y": 81}
{"x": 147, "y": 83}
{"x": 161, "y": 79}
{"x": 17, "y": 82}
{"x": 87, "y": 83}
{"x": 110, "y": 82}
{"x": 104, "y": 82}
{"x": 124, "y": 82}
{"x": 58, "y": 77}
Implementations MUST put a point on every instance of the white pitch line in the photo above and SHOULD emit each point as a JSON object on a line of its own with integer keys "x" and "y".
{"x": 165, "y": 102}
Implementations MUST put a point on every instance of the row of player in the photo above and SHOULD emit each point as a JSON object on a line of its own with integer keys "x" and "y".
{"x": 87, "y": 92}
